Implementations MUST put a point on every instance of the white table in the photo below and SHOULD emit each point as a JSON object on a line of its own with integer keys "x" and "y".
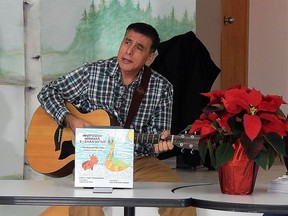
{"x": 210, "y": 197}
{"x": 144, "y": 194}
{"x": 48, "y": 193}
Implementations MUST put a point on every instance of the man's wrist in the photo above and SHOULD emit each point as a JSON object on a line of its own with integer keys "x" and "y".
{"x": 67, "y": 120}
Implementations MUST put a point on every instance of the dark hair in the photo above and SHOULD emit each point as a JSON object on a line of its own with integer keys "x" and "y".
{"x": 146, "y": 30}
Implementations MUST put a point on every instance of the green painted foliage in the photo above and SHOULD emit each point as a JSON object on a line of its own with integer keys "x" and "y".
{"x": 100, "y": 30}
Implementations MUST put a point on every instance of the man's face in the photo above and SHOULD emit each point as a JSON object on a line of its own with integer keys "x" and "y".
{"x": 134, "y": 52}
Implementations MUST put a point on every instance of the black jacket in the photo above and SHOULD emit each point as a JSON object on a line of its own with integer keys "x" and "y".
{"x": 187, "y": 64}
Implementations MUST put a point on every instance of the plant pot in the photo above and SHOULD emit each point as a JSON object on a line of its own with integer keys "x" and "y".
{"x": 238, "y": 176}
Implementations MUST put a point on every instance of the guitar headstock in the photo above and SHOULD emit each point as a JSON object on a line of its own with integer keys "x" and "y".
{"x": 186, "y": 141}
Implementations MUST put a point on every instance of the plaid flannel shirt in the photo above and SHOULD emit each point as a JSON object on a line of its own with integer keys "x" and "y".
{"x": 98, "y": 85}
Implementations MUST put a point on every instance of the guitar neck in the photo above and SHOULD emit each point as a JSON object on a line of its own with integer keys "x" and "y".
{"x": 149, "y": 138}
{"x": 186, "y": 141}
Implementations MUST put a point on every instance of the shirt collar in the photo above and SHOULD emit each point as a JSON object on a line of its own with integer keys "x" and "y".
{"x": 113, "y": 70}
{"x": 112, "y": 67}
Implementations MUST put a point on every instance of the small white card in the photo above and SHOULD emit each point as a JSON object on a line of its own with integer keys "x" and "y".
{"x": 279, "y": 185}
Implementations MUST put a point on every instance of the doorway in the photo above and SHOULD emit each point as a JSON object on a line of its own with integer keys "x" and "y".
{"x": 234, "y": 42}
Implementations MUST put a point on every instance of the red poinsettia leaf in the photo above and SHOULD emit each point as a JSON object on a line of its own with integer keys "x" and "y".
{"x": 246, "y": 89}
{"x": 204, "y": 126}
{"x": 212, "y": 116}
{"x": 281, "y": 116}
{"x": 203, "y": 116}
{"x": 207, "y": 130}
{"x": 276, "y": 98}
{"x": 215, "y": 96}
{"x": 252, "y": 125}
{"x": 235, "y": 94}
{"x": 231, "y": 107}
{"x": 254, "y": 98}
{"x": 271, "y": 103}
{"x": 196, "y": 126}
{"x": 209, "y": 95}
{"x": 225, "y": 116}
{"x": 278, "y": 127}
{"x": 273, "y": 123}
{"x": 223, "y": 122}
{"x": 268, "y": 106}
{"x": 268, "y": 116}
{"x": 236, "y": 100}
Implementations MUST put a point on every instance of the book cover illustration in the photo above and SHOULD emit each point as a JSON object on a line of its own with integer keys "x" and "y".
{"x": 104, "y": 157}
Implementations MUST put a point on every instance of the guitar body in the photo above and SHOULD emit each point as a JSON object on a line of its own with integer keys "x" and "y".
{"x": 49, "y": 147}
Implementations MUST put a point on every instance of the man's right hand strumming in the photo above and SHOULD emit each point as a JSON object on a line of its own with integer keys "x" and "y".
{"x": 73, "y": 122}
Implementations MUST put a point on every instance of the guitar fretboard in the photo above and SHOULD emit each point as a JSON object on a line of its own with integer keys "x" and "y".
{"x": 149, "y": 138}
{"x": 183, "y": 141}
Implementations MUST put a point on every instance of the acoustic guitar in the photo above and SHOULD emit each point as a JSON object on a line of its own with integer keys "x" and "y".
{"x": 50, "y": 150}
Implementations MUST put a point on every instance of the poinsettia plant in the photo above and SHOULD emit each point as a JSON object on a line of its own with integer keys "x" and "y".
{"x": 243, "y": 115}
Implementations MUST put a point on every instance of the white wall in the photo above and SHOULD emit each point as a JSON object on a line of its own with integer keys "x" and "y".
{"x": 208, "y": 29}
{"x": 12, "y": 131}
{"x": 268, "y": 49}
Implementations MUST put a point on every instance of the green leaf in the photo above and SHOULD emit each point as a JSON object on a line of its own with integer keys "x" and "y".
{"x": 261, "y": 159}
{"x": 236, "y": 127}
{"x": 280, "y": 112}
{"x": 224, "y": 153}
{"x": 271, "y": 157}
{"x": 211, "y": 150}
{"x": 252, "y": 149}
{"x": 276, "y": 142}
{"x": 215, "y": 124}
{"x": 202, "y": 150}
{"x": 266, "y": 158}
{"x": 187, "y": 128}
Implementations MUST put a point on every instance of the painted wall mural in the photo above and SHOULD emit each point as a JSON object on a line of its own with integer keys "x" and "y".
{"x": 12, "y": 80}
{"x": 93, "y": 29}
{"x": 11, "y": 42}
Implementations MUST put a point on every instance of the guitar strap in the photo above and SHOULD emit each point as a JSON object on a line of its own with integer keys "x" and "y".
{"x": 138, "y": 96}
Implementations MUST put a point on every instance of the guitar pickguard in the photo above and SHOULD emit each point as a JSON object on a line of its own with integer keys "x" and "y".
{"x": 67, "y": 149}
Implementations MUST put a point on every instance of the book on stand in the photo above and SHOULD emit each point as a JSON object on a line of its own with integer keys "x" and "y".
{"x": 104, "y": 157}
{"x": 279, "y": 185}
